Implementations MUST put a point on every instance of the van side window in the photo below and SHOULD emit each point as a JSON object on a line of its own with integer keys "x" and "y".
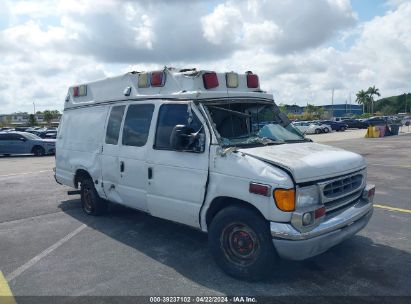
{"x": 114, "y": 124}
{"x": 169, "y": 116}
{"x": 137, "y": 125}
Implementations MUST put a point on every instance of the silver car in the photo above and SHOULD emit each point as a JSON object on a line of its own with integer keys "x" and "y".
{"x": 25, "y": 143}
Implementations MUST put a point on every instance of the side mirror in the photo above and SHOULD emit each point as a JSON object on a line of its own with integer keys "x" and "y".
{"x": 183, "y": 138}
{"x": 22, "y": 139}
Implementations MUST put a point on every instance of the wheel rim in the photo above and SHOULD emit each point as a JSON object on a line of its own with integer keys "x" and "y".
{"x": 240, "y": 244}
{"x": 87, "y": 199}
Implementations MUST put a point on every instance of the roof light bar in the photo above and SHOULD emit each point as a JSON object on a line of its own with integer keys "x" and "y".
{"x": 80, "y": 91}
{"x": 143, "y": 80}
{"x": 158, "y": 79}
{"x": 231, "y": 80}
{"x": 210, "y": 80}
{"x": 252, "y": 80}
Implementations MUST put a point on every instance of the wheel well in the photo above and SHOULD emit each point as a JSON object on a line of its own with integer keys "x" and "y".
{"x": 80, "y": 175}
{"x": 36, "y": 147}
{"x": 222, "y": 202}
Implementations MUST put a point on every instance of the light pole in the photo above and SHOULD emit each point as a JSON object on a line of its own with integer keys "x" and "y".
{"x": 405, "y": 109}
{"x": 34, "y": 108}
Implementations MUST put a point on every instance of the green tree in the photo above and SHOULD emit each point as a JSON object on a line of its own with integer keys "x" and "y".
{"x": 362, "y": 99}
{"x": 371, "y": 92}
{"x": 48, "y": 116}
{"x": 32, "y": 120}
{"x": 282, "y": 107}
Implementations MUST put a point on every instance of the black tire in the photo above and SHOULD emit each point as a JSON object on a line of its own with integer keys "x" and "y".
{"x": 241, "y": 244}
{"x": 343, "y": 129}
{"x": 317, "y": 131}
{"x": 326, "y": 130}
{"x": 39, "y": 151}
{"x": 91, "y": 202}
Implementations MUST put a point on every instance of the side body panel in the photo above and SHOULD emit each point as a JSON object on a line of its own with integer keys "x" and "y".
{"x": 79, "y": 143}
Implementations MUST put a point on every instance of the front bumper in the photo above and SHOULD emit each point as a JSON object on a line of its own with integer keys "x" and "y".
{"x": 295, "y": 245}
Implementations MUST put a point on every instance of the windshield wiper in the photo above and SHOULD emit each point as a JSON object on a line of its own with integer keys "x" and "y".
{"x": 297, "y": 140}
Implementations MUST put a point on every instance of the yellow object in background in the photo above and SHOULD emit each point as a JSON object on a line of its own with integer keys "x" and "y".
{"x": 372, "y": 132}
{"x": 6, "y": 297}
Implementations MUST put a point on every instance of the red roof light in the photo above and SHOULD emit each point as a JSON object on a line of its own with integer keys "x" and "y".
{"x": 157, "y": 79}
{"x": 210, "y": 80}
{"x": 75, "y": 92}
{"x": 252, "y": 80}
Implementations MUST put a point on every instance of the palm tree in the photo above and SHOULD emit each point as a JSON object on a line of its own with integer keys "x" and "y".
{"x": 362, "y": 99}
{"x": 371, "y": 92}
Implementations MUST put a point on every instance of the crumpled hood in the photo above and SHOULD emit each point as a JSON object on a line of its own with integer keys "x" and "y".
{"x": 309, "y": 161}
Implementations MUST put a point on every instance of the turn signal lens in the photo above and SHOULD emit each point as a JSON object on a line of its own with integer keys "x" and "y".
{"x": 285, "y": 199}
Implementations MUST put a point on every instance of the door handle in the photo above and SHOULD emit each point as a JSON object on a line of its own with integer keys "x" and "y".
{"x": 121, "y": 166}
{"x": 150, "y": 173}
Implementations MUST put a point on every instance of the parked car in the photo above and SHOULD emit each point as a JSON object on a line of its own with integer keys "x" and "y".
{"x": 375, "y": 121}
{"x": 307, "y": 127}
{"x": 355, "y": 123}
{"x": 406, "y": 120}
{"x": 326, "y": 128}
{"x": 25, "y": 143}
{"x": 50, "y": 135}
{"x": 335, "y": 125}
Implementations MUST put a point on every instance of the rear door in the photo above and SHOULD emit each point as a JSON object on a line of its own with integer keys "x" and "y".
{"x": 17, "y": 144}
{"x": 177, "y": 180}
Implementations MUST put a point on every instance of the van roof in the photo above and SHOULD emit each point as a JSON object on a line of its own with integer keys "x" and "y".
{"x": 169, "y": 83}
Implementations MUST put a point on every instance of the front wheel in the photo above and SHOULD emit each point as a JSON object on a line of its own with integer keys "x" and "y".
{"x": 317, "y": 131}
{"x": 241, "y": 243}
{"x": 91, "y": 202}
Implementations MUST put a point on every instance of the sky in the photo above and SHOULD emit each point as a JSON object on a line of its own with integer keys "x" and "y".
{"x": 301, "y": 49}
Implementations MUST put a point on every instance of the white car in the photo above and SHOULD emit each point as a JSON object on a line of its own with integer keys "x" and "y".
{"x": 325, "y": 128}
{"x": 211, "y": 151}
{"x": 306, "y": 127}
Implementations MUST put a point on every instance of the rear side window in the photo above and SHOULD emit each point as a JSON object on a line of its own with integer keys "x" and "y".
{"x": 137, "y": 125}
{"x": 114, "y": 124}
{"x": 169, "y": 116}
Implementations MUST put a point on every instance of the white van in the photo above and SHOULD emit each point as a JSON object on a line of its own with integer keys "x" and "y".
{"x": 212, "y": 151}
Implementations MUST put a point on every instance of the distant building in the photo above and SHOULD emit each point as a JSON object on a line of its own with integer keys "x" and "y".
{"x": 294, "y": 109}
{"x": 337, "y": 110}
{"x": 22, "y": 119}
{"x": 343, "y": 110}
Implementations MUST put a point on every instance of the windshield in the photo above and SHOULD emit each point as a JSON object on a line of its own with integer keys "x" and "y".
{"x": 31, "y": 136}
{"x": 250, "y": 124}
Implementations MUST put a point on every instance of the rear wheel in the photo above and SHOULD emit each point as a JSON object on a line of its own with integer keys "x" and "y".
{"x": 241, "y": 243}
{"x": 317, "y": 131}
{"x": 39, "y": 151}
{"x": 326, "y": 130}
{"x": 91, "y": 202}
{"x": 343, "y": 129}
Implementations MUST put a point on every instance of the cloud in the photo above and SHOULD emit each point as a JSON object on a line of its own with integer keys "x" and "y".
{"x": 49, "y": 45}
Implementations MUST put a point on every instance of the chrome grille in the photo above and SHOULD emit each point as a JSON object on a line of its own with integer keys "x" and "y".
{"x": 343, "y": 186}
{"x": 340, "y": 193}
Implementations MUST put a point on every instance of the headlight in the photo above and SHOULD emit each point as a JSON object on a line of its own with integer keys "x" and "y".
{"x": 307, "y": 196}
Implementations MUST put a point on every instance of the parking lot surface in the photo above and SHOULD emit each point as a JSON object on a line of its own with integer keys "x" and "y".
{"x": 49, "y": 247}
